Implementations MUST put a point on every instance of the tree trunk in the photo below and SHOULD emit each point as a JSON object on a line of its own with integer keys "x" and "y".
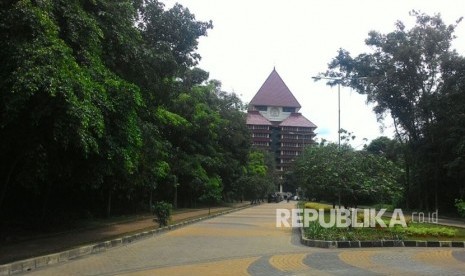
{"x": 109, "y": 204}
{"x": 407, "y": 185}
{"x": 45, "y": 201}
{"x": 151, "y": 199}
{"x": 7, "y": 181}
{"x": 175, "y": 200}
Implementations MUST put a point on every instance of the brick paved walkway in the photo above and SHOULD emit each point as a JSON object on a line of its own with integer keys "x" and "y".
{"x": 247, "y": 242}
{"x": 64, "y": 241}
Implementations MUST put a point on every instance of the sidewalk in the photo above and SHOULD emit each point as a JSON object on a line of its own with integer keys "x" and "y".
{"x": 451, "y": 222}
{"x": 427, "y": 218}
{"x": 69, "y": 240}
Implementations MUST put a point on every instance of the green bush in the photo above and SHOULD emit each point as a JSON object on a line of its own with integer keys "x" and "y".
{"x": 318, "y": 206}
{"x": 317, "y": 232}
{"x": 414, "y": 231}
{"x": 460, "y": 205}
{"x": 162, "y": 211}
{"x": 427, "y": 231}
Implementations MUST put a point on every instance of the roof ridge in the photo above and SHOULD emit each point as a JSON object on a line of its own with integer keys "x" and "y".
{"x": 298, "y": 120}
{"x": 274, "y": 92}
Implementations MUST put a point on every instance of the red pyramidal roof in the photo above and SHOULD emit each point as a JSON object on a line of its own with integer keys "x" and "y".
{"x": 255, "y": 118}
{"x": 274, "y": 92}
{"x": 297, "y": 120}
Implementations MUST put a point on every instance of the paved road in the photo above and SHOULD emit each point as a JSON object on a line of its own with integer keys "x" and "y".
{"x": 60, "y": 242}
{"x": 248, "y": 243}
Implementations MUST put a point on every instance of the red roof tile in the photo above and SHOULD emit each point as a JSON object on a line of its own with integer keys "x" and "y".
{"x": 297, "y": 120}
{"x": 255, "y": 118}
{"x": 274, "y": 92}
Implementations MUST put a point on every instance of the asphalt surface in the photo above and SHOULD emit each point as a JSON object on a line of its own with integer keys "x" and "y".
{"x": 247, "y": 242}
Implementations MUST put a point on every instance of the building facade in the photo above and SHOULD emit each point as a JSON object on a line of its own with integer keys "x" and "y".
{"x": 275, "y": 123}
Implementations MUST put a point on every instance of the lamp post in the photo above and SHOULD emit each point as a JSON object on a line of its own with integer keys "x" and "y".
{"x": 338, "y": 105}
{"x": 338, "y": 80}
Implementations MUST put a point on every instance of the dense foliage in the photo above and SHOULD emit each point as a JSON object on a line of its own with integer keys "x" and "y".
{"x": 162, "y": 211}
{"x": 102, "y": 111}
{"x": 347, "y": 177}
{"x": 259, "y": 178}
{"x": 414, "y": 77}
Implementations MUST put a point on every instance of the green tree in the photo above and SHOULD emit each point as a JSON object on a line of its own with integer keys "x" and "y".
{"x": 86, "y": 102}
{"x": 234, "y": 141}
{"x": 389, "y": 148}
{"x": 62, "y": 109}
{"x": 212, "y": 141}
{"x": 212, "y": 192}
{"x": 345, "y": 176}
{"x": 169, "y": 40}
{"x": 103, "y": 110}
{"x": 258, "y": 180}
{"x": 405, "y": 75}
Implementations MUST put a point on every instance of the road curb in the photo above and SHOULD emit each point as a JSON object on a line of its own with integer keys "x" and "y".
{"x": 63, "y": 256}
{"x": 377, "y": 243}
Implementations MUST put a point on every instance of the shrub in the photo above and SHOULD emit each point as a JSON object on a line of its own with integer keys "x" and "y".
{"x": 460, "y": 205}
{"x": 408, "y": 220}
{"x": 318, "y": 206}
{"x": 424, "y": 231}
{"x": 316, "y": 231}
{"x": 162, "y": 211}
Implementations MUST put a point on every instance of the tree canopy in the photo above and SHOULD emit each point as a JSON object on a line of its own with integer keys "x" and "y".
{"x": 102, "y": 111}
{"x": 347, "y": 177}
{"x": 415, "y": 77}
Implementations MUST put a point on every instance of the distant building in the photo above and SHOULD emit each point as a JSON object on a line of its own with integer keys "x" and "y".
{"x": 275, "y": 123}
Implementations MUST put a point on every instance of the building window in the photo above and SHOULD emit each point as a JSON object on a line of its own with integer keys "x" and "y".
{"x": 260, "y": 135}
{"x": 290, "y": 129}
{"x": 290, "y": 145}
{"x": 290, "y": 137}
{"x": 289, "y": 109}
{"x": 261, "y": 108}
{"x": 261, "y": 144}
{"x": 260, "y": 127}
{"x": 289, "y": 152}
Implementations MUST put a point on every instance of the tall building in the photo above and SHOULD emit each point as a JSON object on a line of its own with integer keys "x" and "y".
{"x": 275, "y": 123}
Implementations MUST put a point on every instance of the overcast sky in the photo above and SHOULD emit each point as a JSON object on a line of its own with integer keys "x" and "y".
{"x": 299, "y": 38}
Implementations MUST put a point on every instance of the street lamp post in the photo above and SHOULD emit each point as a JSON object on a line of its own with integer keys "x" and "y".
{"x": 339, "y": 115}
{"x": 338, "y": 118}
{"x": 338, "y": 102}
{"x": 338, "y": 105}
{"x": 338, "y": 80}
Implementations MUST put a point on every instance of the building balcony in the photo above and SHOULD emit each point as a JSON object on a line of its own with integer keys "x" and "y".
{"x": 299, "y": 149}
{"x": 261, "y": 131}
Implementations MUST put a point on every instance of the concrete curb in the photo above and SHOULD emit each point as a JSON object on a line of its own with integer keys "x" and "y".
{"x": 60, "y": 257}
{"x": 377, "y": 243}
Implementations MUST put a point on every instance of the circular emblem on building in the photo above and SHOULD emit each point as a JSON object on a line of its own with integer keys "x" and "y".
{"x": 274, "y": 112}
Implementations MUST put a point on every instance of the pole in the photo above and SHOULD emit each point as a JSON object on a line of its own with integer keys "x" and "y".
{"x": 338, "y": 101}
{"x": 339, "y": 129}
{"x": 339, "y": 114}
